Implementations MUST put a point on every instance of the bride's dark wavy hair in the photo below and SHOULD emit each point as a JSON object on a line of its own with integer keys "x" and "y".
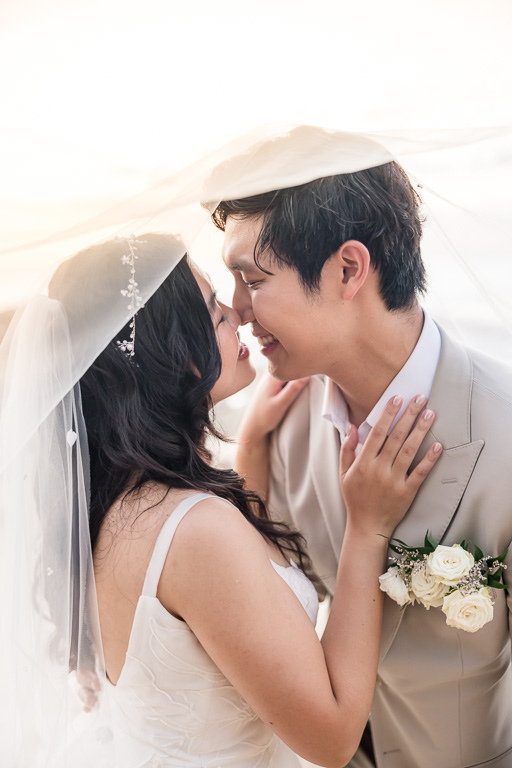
{"x": 148, "y": 416}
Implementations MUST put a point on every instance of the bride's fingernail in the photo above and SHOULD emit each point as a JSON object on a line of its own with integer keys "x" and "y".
{"x": 420, "y": 400}
{"x": 437, "y": 447}
{"x": 397, "y": 400}
{"x": 428, "y": 415}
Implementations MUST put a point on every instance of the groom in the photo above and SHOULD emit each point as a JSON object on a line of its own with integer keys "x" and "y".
{"x": 329, "y": 274}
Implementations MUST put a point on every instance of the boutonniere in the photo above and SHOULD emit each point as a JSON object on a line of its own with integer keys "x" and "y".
{"x": 456, "y": 579}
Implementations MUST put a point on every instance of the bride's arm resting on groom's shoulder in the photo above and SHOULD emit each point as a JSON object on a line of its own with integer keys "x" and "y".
{"x": 218, "y": 577}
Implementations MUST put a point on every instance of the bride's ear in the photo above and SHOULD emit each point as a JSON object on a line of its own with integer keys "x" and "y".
{"x": 353, "y": 261}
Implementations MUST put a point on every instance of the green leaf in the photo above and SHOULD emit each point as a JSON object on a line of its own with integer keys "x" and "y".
{"x": 478, "y": 553}
{"x": 430, "y": 541}
{"x": 491, "y": 582}
{"x": 491, "y": 561}
{"x": 402, "y": 544}
{"x": 502, "y": 557}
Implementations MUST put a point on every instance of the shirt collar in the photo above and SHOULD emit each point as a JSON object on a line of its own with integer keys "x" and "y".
{"x": 335, "y": 408}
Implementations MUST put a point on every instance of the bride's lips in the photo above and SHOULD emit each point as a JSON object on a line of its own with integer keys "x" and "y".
{"x": 243, "y": 351}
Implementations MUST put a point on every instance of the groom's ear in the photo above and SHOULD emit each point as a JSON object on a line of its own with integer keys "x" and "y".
{"x": 353, "y": 262}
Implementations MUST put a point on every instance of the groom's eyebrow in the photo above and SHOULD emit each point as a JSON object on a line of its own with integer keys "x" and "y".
{"x": 242, "y": 266}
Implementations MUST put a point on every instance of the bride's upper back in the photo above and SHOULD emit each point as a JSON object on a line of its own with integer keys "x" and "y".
{"x": 124, "y": 550}
{"x": 121, "y": 557}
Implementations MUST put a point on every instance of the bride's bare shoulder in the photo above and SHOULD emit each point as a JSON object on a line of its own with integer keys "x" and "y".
{"x": 135, "y": 520}
{"x": 137, "y": 512}
{"x": 131, "y": 526}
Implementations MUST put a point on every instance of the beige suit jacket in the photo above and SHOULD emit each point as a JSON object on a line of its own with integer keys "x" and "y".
{"x": 444, "y": 696}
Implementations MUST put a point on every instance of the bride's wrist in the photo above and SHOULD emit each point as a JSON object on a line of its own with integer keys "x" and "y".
{"x": 253, "y": 439}
{"x": 253, "y": 445}
{"x": 371, "y": 539}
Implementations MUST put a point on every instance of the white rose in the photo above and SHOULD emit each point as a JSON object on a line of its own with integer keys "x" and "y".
{"x": 426, "y": 588}
{"x": 468, "y": 612}
{"x": 393, "y": 585}
{"x": 450, "y": 564}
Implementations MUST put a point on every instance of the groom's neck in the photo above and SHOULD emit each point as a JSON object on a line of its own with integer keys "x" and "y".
{"x": 369, "y": 364}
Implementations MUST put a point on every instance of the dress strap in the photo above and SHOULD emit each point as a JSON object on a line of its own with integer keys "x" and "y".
{"x": 163, "y": 542}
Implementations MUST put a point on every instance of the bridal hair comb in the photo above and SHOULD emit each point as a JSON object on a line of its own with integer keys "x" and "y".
{"x": 131, "y": 292}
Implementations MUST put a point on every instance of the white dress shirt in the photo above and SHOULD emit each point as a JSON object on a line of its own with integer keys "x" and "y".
{"x": 415, "y": 378}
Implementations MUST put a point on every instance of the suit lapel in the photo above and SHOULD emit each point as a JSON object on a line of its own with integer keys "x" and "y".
{"x": 440, "y": 494}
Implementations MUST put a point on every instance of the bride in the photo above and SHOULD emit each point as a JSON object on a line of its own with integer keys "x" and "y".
{"x": 206, "y": 610}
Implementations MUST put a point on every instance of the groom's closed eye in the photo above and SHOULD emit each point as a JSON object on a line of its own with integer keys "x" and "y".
{"x": 250, "y": 283}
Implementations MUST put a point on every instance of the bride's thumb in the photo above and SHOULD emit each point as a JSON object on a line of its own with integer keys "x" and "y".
{"x": 348, "y": 450}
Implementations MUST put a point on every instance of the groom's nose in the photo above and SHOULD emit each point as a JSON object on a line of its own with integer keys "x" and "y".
{"x": 242, "y": 302}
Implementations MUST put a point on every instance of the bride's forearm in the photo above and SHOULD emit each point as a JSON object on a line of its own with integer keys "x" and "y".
{"x": 354, "y": 626}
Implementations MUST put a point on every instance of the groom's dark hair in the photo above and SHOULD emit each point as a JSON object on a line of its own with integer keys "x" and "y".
{"x": 303, "y": 226}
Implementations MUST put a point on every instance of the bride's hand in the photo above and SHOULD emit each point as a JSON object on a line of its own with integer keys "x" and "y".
{"x": 267, "y": 408}
{"x": 378, "y": 486}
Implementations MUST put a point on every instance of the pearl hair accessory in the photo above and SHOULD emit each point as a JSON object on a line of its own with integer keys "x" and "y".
{"x": 132, "y": 292}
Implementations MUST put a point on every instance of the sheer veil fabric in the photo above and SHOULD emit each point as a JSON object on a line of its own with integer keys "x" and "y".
{"x": 49, "y": 627}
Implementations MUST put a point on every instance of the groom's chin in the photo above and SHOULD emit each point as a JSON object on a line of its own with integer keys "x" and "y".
{"x": 285, "y": 371}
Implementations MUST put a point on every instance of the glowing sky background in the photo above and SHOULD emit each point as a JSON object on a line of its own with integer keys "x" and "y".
{"x": 100, "y": 99}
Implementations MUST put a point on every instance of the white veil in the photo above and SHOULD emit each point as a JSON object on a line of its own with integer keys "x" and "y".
{"x": 49, "y": 627}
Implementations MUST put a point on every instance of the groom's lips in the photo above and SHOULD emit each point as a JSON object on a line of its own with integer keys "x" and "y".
{"x": 268, "y": 343}
{"x": 269, "y": 349}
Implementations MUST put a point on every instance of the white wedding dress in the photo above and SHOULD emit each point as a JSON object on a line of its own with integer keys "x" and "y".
{"x": 172, "y": 706}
